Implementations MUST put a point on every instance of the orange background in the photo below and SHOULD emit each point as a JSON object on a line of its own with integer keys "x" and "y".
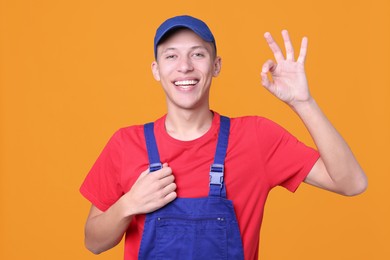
{"x": 72, "y": 72}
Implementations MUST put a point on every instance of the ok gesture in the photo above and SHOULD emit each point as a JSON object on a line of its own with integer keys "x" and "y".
{"x": 288, "y": 78}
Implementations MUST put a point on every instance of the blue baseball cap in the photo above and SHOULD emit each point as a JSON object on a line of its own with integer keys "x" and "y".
{"x": 184, "y": 21}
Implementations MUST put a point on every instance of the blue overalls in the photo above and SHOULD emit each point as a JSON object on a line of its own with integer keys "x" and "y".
{"x": 193, "y": 228}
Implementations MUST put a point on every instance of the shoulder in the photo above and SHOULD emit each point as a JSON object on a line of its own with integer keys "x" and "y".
{"x": 130, "y": 136}
{"x": 265, "y": 131}
{"x": 126, "y": 135}
{"x": 253, "y": 122}
{"x": 129, "y": 131}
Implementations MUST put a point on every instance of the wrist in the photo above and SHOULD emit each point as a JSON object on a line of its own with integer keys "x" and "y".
{"x": 124, "y": 209}
{"x": 303, "y": 108}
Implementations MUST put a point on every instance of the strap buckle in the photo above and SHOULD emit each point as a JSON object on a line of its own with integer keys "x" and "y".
{"x": 216, "y": 174}
{"x": 155, "y": 167}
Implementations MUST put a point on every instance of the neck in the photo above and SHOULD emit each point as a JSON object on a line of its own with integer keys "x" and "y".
{"x": 188, "y": 125}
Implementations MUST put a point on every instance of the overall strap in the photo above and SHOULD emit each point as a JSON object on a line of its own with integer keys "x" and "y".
{"x": 151, "y": 146}
{"x": 217, "y": 184}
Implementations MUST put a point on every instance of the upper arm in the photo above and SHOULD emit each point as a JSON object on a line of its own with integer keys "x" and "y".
{"x": 93, "y": 212}
{"x": 319, "y": 177}
{"x": 350, "y": 183}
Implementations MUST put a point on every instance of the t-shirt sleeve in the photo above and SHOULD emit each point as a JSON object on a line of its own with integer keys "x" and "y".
{"x": 287, "y": 161}
{"x": 102, "y": 186}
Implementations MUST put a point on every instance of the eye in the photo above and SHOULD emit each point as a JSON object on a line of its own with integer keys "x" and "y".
{"x": 198, "y": 55}
{"x": 170, "y": 56}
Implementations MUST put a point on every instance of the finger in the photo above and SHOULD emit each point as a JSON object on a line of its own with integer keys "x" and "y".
{"x": 169, "y": 189}
{"x": 162, "y": 173}
{"x": 303, "y": 50}
{"x": 162, "y": 183}
{"x": 265, "y": 81}
{"x": 169, "y": 197}
{"x": 143, "y": 175}
{"x": 168, "y": 194}
{"x": 267, "y": 67}
{"x": 288, "y": 46}
{"x": 274, "y": 47}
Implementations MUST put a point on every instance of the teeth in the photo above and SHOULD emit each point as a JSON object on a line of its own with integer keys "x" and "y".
{"x": 185, "y": 82}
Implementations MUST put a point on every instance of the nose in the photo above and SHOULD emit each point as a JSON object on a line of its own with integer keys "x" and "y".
{"x": 185, "y": 65}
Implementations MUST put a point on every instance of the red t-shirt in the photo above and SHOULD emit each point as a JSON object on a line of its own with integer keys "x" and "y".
{"x": 260, "y": 156}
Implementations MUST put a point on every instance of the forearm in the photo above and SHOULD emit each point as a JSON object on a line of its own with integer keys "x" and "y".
{"x": 150, "y": 192}
{"x": 105, "y": 230}
{"x": 345, "y": 173}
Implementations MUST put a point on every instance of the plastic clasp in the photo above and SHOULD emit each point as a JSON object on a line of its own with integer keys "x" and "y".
{"x": 155, "y": 167}
{"x": 216, "y": 174}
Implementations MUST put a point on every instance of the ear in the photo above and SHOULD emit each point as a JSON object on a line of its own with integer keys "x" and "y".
{"x": 155, "y": 71}
{"x": 217, "y": 66}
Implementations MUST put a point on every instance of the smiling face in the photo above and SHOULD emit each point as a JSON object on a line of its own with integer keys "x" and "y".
{"x": 185, "y": 67}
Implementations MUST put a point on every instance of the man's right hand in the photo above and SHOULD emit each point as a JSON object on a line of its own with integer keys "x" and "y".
{"x": 150, "y": 192}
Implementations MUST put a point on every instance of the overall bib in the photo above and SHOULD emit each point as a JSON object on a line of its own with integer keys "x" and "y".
{"x": 193, "y": 228}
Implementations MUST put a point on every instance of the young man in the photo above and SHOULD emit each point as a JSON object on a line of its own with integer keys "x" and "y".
{"x": 178, "y": 210}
